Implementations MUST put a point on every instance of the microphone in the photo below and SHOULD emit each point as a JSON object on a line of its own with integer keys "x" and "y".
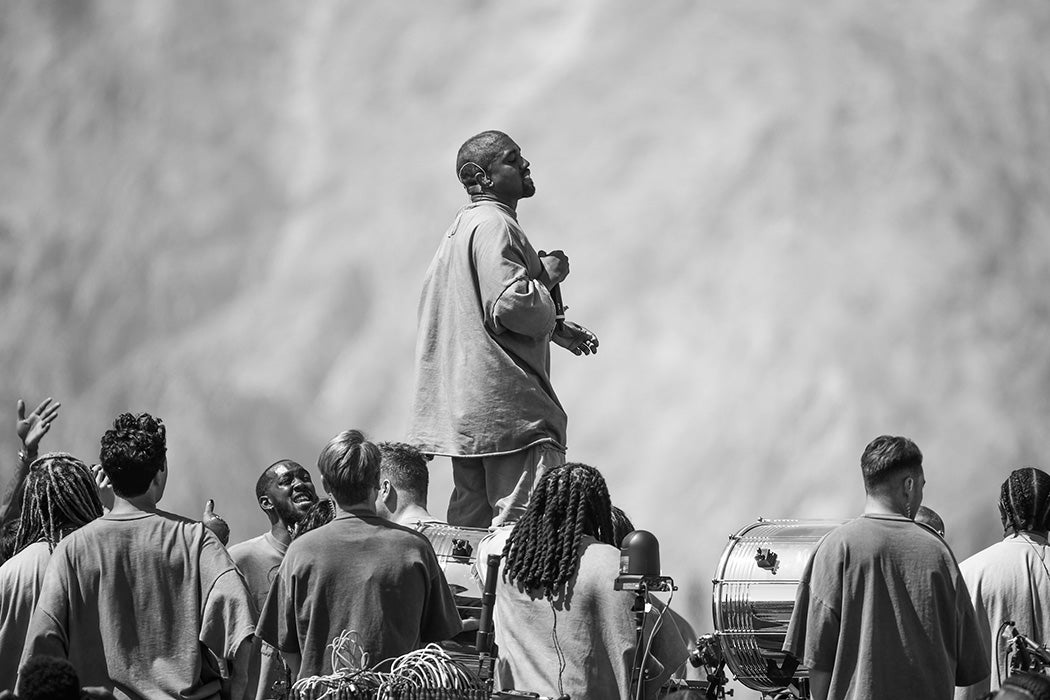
{"x": 640, "y": 564}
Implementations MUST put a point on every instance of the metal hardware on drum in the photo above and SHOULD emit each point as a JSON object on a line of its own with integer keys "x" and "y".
{"x": 753, "y": 598}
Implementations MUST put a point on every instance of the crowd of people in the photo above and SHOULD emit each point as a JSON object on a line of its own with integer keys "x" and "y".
{"x": 104, "y": 594}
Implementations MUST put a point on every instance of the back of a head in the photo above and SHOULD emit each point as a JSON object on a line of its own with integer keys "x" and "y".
{"x": 885, "y": 457}
{"x": 48, "y": 678}
{"x": 1032, "y": 686}
{"x": 350, "y": 466}
{"x": 320, "y": 513}
{"x": 622, "y": 526}
{"x": 60, "y": 496}
{"x": 133, "y": 451}
{"x": 405, "y": 467}
{"x": 568, "y": 502}
{"x": 1024, "y": 500}
{"x": 480, "y": 150}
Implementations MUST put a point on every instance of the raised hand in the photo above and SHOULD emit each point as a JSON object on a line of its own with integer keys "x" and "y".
{"x": 214, "y": 523}
{"x": 576, "y": 339}
{"x": 33, "y": 427}
{"x": 105, "y": 488}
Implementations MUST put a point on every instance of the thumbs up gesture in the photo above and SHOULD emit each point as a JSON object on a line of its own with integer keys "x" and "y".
{"x": 214, "y": 523}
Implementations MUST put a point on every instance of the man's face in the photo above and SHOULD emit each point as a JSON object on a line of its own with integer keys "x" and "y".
{"x": 291, "y": 492}
{"x": 510, "y": 175}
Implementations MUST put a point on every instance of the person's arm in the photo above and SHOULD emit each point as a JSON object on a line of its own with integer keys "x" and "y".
{"x": 30, "y": 429}
{"x": 294, "y": 662}
{"x": 576, "y": 339}
{"x": 238, "y": 668}
{"x": 512, "y": 282}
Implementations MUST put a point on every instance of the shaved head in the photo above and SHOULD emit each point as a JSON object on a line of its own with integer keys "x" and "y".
{"x": 481, "y": 150}
{"x": 269, "y": 474}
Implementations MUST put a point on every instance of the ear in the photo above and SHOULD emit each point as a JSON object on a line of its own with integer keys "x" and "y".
{"x": 385, "y": 489}
{"x": 266, "y": 503}
{"x": 478, "y": 182}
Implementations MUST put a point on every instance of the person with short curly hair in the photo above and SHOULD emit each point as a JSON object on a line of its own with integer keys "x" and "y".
{"x": 59, "y": 497}
{"x": 143, "y": 600}
{"x": 1009, "y": 580}
{"x": 560, "y": 626}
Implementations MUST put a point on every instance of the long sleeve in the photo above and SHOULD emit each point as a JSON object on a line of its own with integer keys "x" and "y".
{"x": 508, "y": 271}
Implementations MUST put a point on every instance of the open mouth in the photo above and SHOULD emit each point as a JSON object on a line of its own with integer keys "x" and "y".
{"x": 303, "y": 498}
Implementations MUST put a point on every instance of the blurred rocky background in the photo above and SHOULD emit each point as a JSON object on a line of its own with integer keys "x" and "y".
{"x": 794, "y": 226}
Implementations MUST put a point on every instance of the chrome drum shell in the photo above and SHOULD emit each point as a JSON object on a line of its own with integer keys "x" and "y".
{"x": 754, "y": 596}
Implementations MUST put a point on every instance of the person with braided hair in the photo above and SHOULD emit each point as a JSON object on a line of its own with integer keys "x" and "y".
{"x": 881, "y": 610}
{"x": 1009, "y": 581}
{"x": 59, "y": 497}
{"x": 30, "y": 430}
{"x": 1024, "y": 686}
{"x": 141, "y": 601}
{"x": 560, "y": 626}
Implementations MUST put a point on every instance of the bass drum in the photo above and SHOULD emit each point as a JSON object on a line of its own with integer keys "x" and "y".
{"x": 456, "y": 549}
{"x": 754, "y": 596}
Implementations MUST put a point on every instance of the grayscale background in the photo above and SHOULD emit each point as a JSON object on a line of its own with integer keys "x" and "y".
{"x": 794, "y": 226}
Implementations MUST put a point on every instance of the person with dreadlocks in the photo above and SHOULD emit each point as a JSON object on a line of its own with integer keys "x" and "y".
{"x": 1024, "y": 686}
{"x": 560, "y": 626}
{"x": 58, "y": 498}
{"x": 1009, "y": 580}
{"x": 487, "y": 318}
{"x": 881, "y": 610}
{"x": 141, "y": 601}
{"x": 30, "y": 430}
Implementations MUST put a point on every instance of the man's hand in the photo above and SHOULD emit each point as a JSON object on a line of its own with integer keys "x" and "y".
{"x": 576, "y": 339}
{"x": 32, "y": 428}
{"x": 214, "y": 523}
{"x": 556, "y": 265}
{"x": 105, "y": 488}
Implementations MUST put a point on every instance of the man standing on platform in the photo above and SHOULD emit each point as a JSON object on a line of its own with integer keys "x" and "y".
{"x": 487, "y": 315}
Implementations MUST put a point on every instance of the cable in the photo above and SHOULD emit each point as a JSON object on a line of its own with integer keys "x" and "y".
{"x": 557, "y": 648}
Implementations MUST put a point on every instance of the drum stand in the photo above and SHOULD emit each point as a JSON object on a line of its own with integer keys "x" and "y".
{"x": 641, "y": 585}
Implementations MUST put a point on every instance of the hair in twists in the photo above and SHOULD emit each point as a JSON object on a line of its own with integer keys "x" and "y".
{"x": 569, "y": 501}
{"x": 1037, "y": 684}
{"x": 60, "y": 496}
{"x": 1024, "y": 500}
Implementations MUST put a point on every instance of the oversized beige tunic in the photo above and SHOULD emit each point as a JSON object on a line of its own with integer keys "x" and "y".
{"x": 1008, "y": 581}
{"x": 482, "y": 381}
